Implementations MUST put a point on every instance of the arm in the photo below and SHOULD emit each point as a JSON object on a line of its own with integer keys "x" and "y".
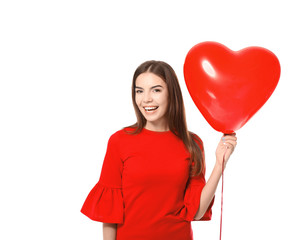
{"x": 109, "y": 231}
{"x": 225, "y": 148}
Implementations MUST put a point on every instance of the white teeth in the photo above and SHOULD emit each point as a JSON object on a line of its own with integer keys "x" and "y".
{"x": 150, "y": 108}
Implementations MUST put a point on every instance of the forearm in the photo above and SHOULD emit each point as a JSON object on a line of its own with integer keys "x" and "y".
{"x": 109, "y": 231}
{"x": 224, "y": 150}
{"x": 209, "y": 191}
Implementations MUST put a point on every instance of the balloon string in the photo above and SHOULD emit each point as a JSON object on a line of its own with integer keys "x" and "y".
{"x": 222, "y": 196}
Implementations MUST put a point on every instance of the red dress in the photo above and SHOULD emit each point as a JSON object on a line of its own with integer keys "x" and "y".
{"x": 145, "y": 188}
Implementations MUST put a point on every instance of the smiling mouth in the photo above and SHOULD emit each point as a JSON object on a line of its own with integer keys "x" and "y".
{"x": 148, "y": 109}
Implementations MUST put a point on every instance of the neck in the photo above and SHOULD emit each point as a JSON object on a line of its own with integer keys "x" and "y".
{"x": 157, "y": 127}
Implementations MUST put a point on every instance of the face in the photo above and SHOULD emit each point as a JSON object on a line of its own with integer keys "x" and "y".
{"x": 151, "y": 96}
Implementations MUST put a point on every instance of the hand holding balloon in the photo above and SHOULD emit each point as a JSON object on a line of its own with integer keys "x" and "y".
{"x": 225, "y": 149}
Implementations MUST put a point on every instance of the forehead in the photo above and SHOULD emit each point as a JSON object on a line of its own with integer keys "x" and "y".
{"x": 148, "y": 79}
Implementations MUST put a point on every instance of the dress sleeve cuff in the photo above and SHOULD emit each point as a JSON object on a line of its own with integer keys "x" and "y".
{"x": 104, "y": 204}
{"x": 192, "y": 203}
{"x": 208, "y": 214}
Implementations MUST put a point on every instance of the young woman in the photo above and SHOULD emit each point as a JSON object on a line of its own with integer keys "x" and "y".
{"x": 152, "y": 180}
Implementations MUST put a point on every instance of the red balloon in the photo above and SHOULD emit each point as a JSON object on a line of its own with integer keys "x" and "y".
{"x": 229, "y": 87}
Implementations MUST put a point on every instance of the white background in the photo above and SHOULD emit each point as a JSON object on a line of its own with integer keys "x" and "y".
{"x": 66, "y": 69}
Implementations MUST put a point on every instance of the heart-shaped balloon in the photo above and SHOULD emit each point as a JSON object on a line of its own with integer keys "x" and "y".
{"x": 229, "y": 87}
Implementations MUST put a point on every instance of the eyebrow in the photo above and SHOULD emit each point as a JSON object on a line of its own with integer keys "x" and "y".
{"x": 151, "y": 87}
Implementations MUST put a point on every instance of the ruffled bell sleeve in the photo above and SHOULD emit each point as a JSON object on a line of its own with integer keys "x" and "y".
{"x": 192, "y": 200}
{"x": 105, "y": 203}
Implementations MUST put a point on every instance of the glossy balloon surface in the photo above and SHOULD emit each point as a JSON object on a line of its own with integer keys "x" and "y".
{"x": 229, "y": 87}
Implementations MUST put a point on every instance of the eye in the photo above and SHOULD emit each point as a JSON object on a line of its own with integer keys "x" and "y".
{"x": 138, "y": 91}
{"x": 157, "y": 90}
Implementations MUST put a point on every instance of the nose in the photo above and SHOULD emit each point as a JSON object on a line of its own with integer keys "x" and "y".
{"x": 147, "y": 97}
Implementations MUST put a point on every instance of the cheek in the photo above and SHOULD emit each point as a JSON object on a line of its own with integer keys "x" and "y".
{"x": 164, "y": 100}
{"x": 137, "y": 100}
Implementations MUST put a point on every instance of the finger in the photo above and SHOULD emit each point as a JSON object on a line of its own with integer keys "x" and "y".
{"x": 229, "y": 138}
{"x": 233, "y": 142}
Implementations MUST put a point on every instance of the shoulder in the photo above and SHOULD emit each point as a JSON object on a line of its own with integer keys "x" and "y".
{"x": 197, "y": 139}
{"x": 121, "y": 134}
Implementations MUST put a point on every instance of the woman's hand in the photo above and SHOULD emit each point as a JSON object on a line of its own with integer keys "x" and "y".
{"x": 225, "y": 148}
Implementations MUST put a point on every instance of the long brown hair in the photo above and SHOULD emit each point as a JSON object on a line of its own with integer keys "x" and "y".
{"x": 175, "y": 113}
